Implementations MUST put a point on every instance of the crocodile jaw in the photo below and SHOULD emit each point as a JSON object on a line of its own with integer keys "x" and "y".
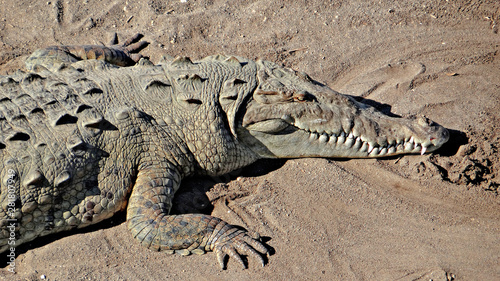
{"x": 289, "y": 116}
{"x": 277, "y": 138}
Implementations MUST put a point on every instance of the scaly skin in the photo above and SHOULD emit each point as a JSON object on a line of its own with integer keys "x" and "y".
{"x": 289, "y": 110}
{"x": 82, "y": 139}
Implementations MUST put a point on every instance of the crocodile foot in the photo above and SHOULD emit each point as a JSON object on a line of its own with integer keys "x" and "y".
{"x": 233, "y": 241}
{"x": 132, "y": 46}
{"x": 57, "y": 57}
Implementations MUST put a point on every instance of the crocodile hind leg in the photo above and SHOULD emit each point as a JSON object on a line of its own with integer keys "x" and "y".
{"x": 57, "y": 57}
{"x": 149, "y": 221}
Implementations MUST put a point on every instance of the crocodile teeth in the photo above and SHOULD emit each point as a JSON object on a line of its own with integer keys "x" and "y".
{"x": 341, "y": 138}
{"x": 400, "y": 147}
{"x": 424, "y": 149}
{"x": 374, "y": 151}
{"x": 409, "y": 146}
{"x": 370, "y": 148}
{"x": 323, "y": 138}
{"x": 416, "y": 147}
{"x": 355, "y": 143}
{"x": 364, "y": 147}
{"x": 383, "y": 151}
{"x": 313, "y": 136}
{"x": 391, "y": 149}
{"x": 349, "y": 142}
{"x": 358, "y": 143}
{"x": 333, "y": 139}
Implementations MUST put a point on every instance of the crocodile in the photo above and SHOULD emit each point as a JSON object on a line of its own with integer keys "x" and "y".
{"x": 91, "y": 130}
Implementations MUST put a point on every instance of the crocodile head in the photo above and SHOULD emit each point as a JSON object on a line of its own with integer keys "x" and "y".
{"x": 289, "y": 115}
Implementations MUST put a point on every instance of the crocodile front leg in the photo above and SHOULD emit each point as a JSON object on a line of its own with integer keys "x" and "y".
{"x": 149, "y": 221}
{"x": 57, "y": 57}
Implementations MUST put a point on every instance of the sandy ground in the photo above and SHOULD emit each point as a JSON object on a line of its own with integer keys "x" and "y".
{"x": 408, "y": 218}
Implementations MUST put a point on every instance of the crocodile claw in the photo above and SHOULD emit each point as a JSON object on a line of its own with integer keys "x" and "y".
{"x": 235, "y": 242}
{"x": 132, "y": 46}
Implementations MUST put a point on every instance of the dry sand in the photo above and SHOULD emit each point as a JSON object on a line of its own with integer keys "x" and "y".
{"x": 408, "y": 218}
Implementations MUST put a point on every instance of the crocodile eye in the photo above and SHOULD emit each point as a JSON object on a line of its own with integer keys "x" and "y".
{"x": 299, "y": 97}
{"x": 303, "y": 96}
